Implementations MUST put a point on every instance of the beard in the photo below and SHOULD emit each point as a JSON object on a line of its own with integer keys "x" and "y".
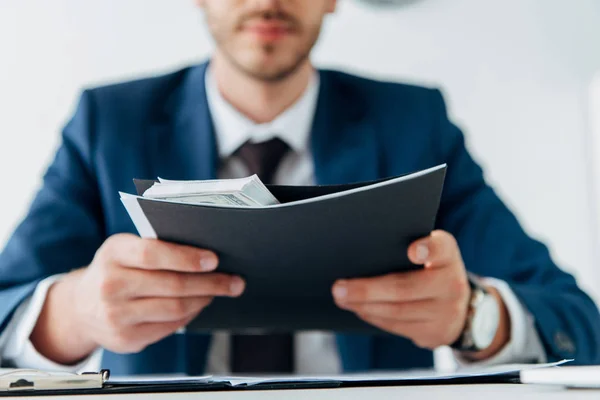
{"x": 269, "y": 62}
{"x": 272, "y": 74}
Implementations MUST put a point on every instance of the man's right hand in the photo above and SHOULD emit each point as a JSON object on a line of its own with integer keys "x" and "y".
{"x": 134, "y": 293}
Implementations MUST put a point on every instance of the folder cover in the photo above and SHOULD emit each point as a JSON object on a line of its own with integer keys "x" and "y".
{"x": 24, "y": 383}
{"x": 290, "y": 254}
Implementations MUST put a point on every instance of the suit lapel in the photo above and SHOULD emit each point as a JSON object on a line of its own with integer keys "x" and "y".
{"x": 343, "y": 140}
{"x": 185, "y": 145}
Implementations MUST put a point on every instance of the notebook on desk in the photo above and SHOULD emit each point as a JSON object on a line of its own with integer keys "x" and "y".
{"x": 291, "y": 253}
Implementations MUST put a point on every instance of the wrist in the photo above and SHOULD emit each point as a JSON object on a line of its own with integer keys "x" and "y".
{"x": 57, "y": 334}
{"x": 502, "y": 336}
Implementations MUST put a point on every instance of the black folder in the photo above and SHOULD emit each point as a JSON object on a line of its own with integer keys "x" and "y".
{"x": 151, "y": 387}
{"x": 291, "y": 254}
{"x": 199, "y": 385}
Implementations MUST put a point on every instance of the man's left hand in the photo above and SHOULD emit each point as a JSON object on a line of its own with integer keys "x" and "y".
{"x": 428, "y": 306}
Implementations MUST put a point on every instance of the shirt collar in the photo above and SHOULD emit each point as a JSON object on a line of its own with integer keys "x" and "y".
{"x": 233, "y": 129}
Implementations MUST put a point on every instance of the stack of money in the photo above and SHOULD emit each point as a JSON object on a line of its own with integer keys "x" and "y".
{"x": 244, "y": 192}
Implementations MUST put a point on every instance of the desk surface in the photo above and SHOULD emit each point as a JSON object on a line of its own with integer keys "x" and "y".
{"x": 455, "y": 392}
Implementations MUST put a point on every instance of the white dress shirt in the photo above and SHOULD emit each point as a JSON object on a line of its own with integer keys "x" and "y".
{"x": 316, "y": 352}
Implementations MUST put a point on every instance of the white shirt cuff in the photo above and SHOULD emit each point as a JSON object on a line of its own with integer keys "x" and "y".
{"x": 16, "y": 348}
{"x": 524, "y": 346}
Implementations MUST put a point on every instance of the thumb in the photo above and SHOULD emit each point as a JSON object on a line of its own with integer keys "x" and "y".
{"x": 436, "y": 250}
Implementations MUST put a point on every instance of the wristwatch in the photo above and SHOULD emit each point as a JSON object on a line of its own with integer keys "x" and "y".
{"x": 483, "y": 319}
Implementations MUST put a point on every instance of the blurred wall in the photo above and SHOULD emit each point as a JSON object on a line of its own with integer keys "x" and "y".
{"x": 516, "y": 73}
{"x": 594, "y": 151}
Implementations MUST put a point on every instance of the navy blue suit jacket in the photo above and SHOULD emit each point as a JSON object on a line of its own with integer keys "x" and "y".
{"x": 363, "y": 130}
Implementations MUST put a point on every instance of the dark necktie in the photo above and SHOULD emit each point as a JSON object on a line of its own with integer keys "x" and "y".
{"x": 269, "y": 353}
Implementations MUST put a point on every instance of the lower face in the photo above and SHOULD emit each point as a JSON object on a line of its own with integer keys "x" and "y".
{"x": 269, "y": 45}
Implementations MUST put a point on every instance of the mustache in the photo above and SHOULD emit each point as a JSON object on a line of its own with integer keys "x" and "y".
{"x": 269, "y": 15}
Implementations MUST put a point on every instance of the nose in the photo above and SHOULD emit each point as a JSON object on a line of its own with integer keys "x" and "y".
{"x": 266, "y": 5}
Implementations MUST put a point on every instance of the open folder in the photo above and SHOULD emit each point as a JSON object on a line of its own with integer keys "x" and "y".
{"x": 30, "y": 383}
{"x": 291, "y": 253}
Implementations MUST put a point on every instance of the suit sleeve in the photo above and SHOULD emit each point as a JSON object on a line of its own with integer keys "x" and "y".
{"x": 63, "y": 228}
{"x": 493, "y": 244}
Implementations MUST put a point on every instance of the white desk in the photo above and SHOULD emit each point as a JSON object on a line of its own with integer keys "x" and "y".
{"x": 462, "y": 392}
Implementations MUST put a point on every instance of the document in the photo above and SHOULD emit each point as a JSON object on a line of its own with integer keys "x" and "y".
{"x": 291, "y": 243}
{"x": 501, "y": 372}
{"x": 511, "y": 370}
{"x": 24, "y": 382}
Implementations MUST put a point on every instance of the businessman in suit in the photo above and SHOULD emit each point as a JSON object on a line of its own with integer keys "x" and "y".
{"x": 78, "y": 288}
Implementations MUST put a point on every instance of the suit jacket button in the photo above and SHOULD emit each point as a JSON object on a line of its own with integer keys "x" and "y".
{"x": 564, "y": 343}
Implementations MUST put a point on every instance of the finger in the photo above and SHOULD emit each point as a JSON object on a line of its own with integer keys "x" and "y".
{"x": 134, "y": 252}
{"x": 391, "y": 288}
{"x": 415, "y": 311}
{"x": 142, "y": 283}
{"x": 437, "y": 250}
{"x": 413, "y": 330}
{"x": 163, "y": 309}
{"x": 138, "y": 337}
{"x": 153, "y": 332}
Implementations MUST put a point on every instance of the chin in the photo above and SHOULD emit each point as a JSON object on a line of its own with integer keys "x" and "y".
{"x": 269, "y": 74}
{"x": 267, "y": 68}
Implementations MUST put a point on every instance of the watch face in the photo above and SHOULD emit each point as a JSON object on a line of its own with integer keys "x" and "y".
{"x": 485, "y": 322}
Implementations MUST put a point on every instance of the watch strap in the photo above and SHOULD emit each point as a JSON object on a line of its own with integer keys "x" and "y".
{"x": 465, "y": 341}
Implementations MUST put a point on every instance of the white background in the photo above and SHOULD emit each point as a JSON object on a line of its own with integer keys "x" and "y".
{"x": 517, "y": 75}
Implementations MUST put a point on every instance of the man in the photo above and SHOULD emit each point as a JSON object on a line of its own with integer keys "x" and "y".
{"x": 260, "y": 92}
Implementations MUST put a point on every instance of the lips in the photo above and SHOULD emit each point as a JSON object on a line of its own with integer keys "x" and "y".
{"x": 268, "y": 31}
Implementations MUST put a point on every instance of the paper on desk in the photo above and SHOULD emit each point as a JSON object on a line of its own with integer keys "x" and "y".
{"x": 415, "y": 375}
{"x": 389, "y": 377}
